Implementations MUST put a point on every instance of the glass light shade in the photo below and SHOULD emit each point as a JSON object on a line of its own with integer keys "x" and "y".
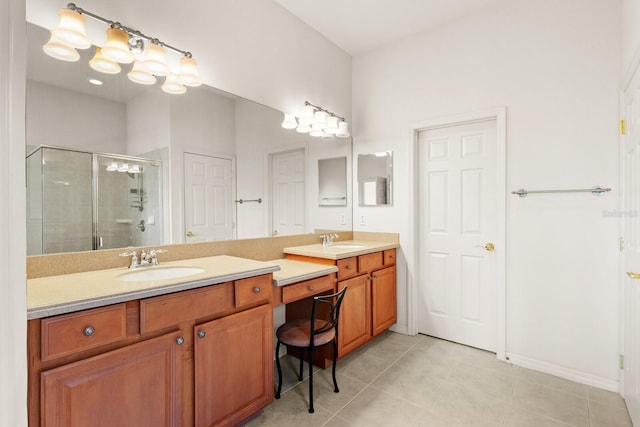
{"x": 70, "y": 30}
{"x": 139, "y": 75}
{"x": 343, "y": 130}
{"x": 303, "y": 128}
{"x": 102, "y": 64}
{"x": 134, "y": 168}
{"x": 117, "y": 46}
{"x": 189, "y": 72}
{"x": 316, "y": 132}
{"x": 326, "y": 135}
{"x": 124, "y": 167}
{"x": 289, "y": 121}
{"x": 173, "y": 86}
{"x": 320, "y": 120}
{"x": 60, "y": 51}
{"x": 332, "y": 125}
{"x": 156, "y": 60}
{"x": 112, "y": 167}
{"x": 307, "y": 115}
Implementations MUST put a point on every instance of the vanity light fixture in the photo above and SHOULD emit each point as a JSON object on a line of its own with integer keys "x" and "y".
{"x": 316, "y": 121}
{"x": 124, "y": 45}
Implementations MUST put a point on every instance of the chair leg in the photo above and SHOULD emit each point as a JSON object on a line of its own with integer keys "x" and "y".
{"x": 311, "y": 410}
{"x": 279, "y": 370}
{"x": 333, "y": 370}
{"x": 301, "y": 371}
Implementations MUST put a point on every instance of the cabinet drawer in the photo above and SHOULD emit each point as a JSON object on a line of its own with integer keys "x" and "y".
{"x": 370, "y": 262}
{"x": 70, "y": 333}
{"x": 253, "y": 290}
{"x": 347, "y": 267}
{"x": 389, "y": 257}
{"x": 170, "y": 310}
{"x": 306, "y": 289}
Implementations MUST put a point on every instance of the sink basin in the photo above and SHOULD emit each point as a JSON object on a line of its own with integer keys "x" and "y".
{"x": 346, "y": 246}
{"x": 159, "y": 273}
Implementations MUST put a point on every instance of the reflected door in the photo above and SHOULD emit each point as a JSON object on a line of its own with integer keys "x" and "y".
{"x": 630, "y": 179}
{"x": 287, "y": 188}
{"x": 208, "y": 200}
{"x": 457, "y": 219}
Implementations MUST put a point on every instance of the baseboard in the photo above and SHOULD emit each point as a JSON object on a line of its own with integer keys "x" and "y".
{"x": 401, "y": 329}
{"x": 562, "y": 372}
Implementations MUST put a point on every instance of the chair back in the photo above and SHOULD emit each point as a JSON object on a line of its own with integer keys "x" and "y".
{"x": 323, "y": 303}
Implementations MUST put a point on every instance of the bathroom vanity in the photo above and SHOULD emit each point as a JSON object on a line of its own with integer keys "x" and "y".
{"x": 191, "y": 340}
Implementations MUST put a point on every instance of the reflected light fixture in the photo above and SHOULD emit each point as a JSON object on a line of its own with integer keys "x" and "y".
{"x": 124, "y": 45}
{"x": 318, "y": 122}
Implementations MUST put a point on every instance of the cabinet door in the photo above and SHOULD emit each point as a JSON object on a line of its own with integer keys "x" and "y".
{"x": 136, "y": 385}
{"x": 233, "y": 366}
{"x": 355, "y": 321}
{"x": 383, "y": 296}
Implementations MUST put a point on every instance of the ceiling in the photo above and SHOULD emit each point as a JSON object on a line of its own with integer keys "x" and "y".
{"x": 358, "y": 26}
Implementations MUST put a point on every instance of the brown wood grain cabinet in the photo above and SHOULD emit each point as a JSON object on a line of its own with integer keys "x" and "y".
{"x": 196, "y": 357}
{"x": 369, "y": 306}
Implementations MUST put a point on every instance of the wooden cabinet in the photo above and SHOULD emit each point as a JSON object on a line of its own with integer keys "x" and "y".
{"x": 370, "y": 304}
{"x": 138, "y": 384}
{"x": 233, "y": 367}
{"x": 195, "y": 357}
{"x": 383, "y": 299}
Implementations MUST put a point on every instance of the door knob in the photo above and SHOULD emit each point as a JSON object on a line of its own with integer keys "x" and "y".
{"x": 489, "y": 247}
{"x": 189, "y": 234}
{"x": 633, "y": 275}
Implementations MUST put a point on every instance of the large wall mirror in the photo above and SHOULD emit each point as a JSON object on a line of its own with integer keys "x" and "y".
{"x": 375, "y": 178}
{"x": 203, "y": 129}
{"x": 332, "y": 181}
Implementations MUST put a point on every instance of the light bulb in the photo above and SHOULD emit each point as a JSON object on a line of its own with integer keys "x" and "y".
{"x": 189, "y": 72}
{"x": 139, "y": 75}
{"x": 173, "y": 86}
{"x": 100, "y": 63}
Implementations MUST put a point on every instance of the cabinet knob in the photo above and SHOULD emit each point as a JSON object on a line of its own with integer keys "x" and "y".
{"x": 375, "y": 276}
{"x": 201, "y": 334}
{"x": 179, "y": 340}
{"x": 348, "y": 267}
{"x": 256, "y": 290}
{"x": 310, "y": 288}
{"x": 89, "y": 330}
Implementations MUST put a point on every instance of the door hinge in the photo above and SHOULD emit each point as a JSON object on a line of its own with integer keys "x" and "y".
{"x": 623, "y": 127}
{"x": 621, "y": 361}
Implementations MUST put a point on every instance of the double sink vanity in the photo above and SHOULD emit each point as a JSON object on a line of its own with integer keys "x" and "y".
{"x": 190, "y": 341}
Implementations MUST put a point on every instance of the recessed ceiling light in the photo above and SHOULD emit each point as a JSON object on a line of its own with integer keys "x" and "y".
{"x": 95, "y": 82}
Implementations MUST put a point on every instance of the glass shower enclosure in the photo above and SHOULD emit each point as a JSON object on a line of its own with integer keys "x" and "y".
{"x": 79, "y": 201}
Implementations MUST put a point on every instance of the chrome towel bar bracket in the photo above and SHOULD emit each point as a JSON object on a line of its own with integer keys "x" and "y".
{"x": 596, "y": 191}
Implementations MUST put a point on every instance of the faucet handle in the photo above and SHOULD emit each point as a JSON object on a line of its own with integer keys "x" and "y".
{"x": 125, "y": 254}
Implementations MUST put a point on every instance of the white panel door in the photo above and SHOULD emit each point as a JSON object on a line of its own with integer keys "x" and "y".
{"x": 457, "y": 220}
{"x": 287, "y": 189}
{"x": 208, "y": 201}
{"x": 631, "y": 254}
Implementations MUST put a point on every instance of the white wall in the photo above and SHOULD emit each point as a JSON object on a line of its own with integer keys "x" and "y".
{"x": 555, "y": 66}
{"x": 71, "y": 119}
{"x": 630, "y": 36}
{"x": 13, "y": 317}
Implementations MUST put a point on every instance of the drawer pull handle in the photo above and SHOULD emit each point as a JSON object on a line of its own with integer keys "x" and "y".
{"x": 89, "y": 330}
{"x": 348, "y": 267}
{"x": 201, "y": 334}
{"x": 256, "y": 290}
{"x": 179, "y": 340}
{"x": 310, "y": 288}
{"x": 375, "y": 276}
{"x": 391, "y": 256}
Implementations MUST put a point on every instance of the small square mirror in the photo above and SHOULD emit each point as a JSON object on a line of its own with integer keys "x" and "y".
{"x": 375, "y": 175}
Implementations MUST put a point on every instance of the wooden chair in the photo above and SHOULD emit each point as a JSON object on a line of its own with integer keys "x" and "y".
{"x": 311, "y": 334}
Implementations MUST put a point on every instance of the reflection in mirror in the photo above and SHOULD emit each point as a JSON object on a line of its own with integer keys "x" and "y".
{"x": 375, "y": 173}
{"x": 79, "y": 201}
{"x": 332, "y": 181}
{"x": 125, "y": 118}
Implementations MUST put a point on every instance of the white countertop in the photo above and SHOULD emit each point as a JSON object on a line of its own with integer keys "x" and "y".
{"x": 340, "y": 249}
{"x": 296, "y": 271}
{"x": 48, "y": 296}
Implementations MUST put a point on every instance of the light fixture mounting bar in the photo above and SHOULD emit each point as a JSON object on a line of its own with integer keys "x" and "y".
{"x": 131, "y": 31}
{"x": 322, "y": 109}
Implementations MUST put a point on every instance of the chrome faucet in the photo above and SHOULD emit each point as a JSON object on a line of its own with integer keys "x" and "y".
{"x": 148, "y": 258}
{"x": 327, "y": 239}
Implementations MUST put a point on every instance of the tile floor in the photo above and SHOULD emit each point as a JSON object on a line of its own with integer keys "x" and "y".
{"x": 397, "y": 380}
